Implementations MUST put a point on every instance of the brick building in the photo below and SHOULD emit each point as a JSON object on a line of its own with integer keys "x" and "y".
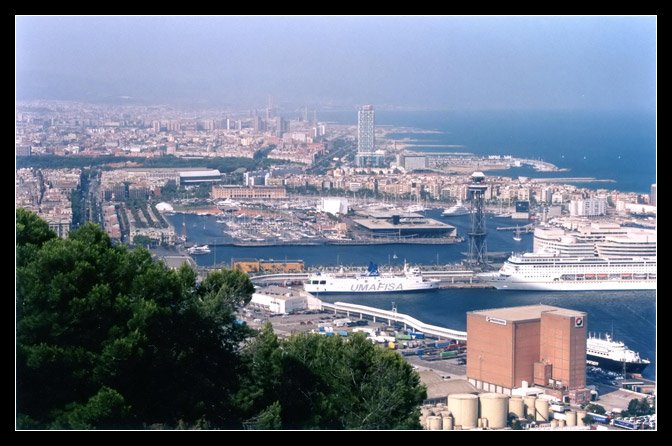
{"x": 539, "y": 344}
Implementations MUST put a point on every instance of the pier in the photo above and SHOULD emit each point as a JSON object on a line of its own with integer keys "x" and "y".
{"x": 524, "y": 228}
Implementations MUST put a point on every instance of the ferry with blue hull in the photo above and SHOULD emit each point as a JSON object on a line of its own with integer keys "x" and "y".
{"x": 371, "y": 282}
{"x": 608, "y": 354}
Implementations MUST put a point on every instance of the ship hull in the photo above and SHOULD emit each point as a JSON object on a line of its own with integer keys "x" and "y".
{"x": 572, "y": 285}
{"x": 351, "y": 286}
{"x": 414, "y": 290}
{"x": 616, "y": 366}
{"x": 454, "y": 214}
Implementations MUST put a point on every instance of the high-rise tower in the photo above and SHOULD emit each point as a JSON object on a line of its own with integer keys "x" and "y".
{"x": 366, "y": 129}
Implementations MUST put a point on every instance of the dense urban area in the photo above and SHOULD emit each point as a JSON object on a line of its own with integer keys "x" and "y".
{"x": 275, "y": 177}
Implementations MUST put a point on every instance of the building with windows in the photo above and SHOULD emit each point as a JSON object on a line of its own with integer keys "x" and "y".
{"x": 366, "y": 131}
{"x": 589, "y": 207}
{"x": 251, "y": 192}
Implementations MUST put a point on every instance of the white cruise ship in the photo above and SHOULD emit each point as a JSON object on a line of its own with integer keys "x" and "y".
{"x": 456, "y": 210}
{"x": 370, "y": 282}
{"x": 558, "y": 273}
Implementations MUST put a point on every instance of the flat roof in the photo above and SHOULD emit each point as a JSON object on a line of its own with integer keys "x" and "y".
{"x": 526, "y": 312}
{"x": 200, "y": 173}
{"x": 279, "y": 292}
{"x": 424, "y": 223}
{"x": 382, "y": 214}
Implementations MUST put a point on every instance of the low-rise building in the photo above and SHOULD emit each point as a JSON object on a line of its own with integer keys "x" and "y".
{"x": 280, "y": 300}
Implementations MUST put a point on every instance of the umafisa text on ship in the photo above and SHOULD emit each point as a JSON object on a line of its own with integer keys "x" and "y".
{"x": 372, "y": 281}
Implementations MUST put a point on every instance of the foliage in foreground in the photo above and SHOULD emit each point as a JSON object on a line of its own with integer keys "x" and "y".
{"x": 312, "y": 381}
{"x": 109, "y": 338}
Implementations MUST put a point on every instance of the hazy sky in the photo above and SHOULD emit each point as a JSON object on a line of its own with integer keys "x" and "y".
{"x": 456, "y": 63}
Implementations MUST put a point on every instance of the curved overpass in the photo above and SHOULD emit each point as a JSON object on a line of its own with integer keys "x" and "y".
{"x": 390, "y": 316}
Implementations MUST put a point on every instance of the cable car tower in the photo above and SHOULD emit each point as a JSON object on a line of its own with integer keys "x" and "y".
{"x": 477, "y": 233}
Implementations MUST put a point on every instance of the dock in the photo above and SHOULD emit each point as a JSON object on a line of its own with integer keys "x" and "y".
{"x": 524, "y": 228}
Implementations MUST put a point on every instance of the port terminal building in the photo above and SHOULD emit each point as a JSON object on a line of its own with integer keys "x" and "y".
{"x": 386, "y": 224}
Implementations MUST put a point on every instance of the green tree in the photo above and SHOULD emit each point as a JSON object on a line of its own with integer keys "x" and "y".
{"x": 329, "y": 382}
{"x": 142, "y": 240}
{"x": 31, "y": 233}
{"x": 109, "y": 338}
{"x": 596, "y": 408}
{"x": 638, "y": 407}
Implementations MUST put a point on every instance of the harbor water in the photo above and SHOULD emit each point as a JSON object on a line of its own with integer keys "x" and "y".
{"x": 631, "y": 313}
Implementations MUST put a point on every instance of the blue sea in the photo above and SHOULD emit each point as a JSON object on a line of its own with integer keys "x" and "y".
{"x": 632, "y": 313}
{"x": 617, "y": 146}
{"x": 620, "y": 146}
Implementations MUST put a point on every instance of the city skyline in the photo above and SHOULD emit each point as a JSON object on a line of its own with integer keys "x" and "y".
{"x": 451, "y": 63}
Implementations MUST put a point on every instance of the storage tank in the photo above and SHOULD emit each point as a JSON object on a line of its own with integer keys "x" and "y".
{"x": 561, "y": 423}
{"x": 517, "y": 407}
{"x": 448, "y": 423}
{"x": 571, "y": 418}
{"x": 494, "y": 408}
{"x": 484, "y": 422}
{"x": 464, "y": 407}
{"x": 580, "y": 415}
{"x": 554, "y": 424}
{"x": 434, "y": 423}
{"x": 479, "y": 423}
{"x": 541, "y": 410}
{"x": 529, "y": 405}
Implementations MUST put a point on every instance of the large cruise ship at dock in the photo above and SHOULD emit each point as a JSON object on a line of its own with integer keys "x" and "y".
{"x": 598, "y": 257}
{"x": 608, "y": 354}
{"x": 372, "y": 281}
{"x": 555, "y": 273}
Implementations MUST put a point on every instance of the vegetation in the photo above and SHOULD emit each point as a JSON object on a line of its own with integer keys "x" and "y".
{"x": 263, "y": 152}
{"x": 142, "y": 240}
{"x": 638, "y": 408}
{"x": 109, "y": 338}
{"x": 61, "y": 162}
{"x": 596, "y": 408}
{"x": 172, "y": 191}
{"x": 311, "y": 381}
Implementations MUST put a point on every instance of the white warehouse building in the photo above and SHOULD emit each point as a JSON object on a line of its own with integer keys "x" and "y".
{"x": 280, "y": 300}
